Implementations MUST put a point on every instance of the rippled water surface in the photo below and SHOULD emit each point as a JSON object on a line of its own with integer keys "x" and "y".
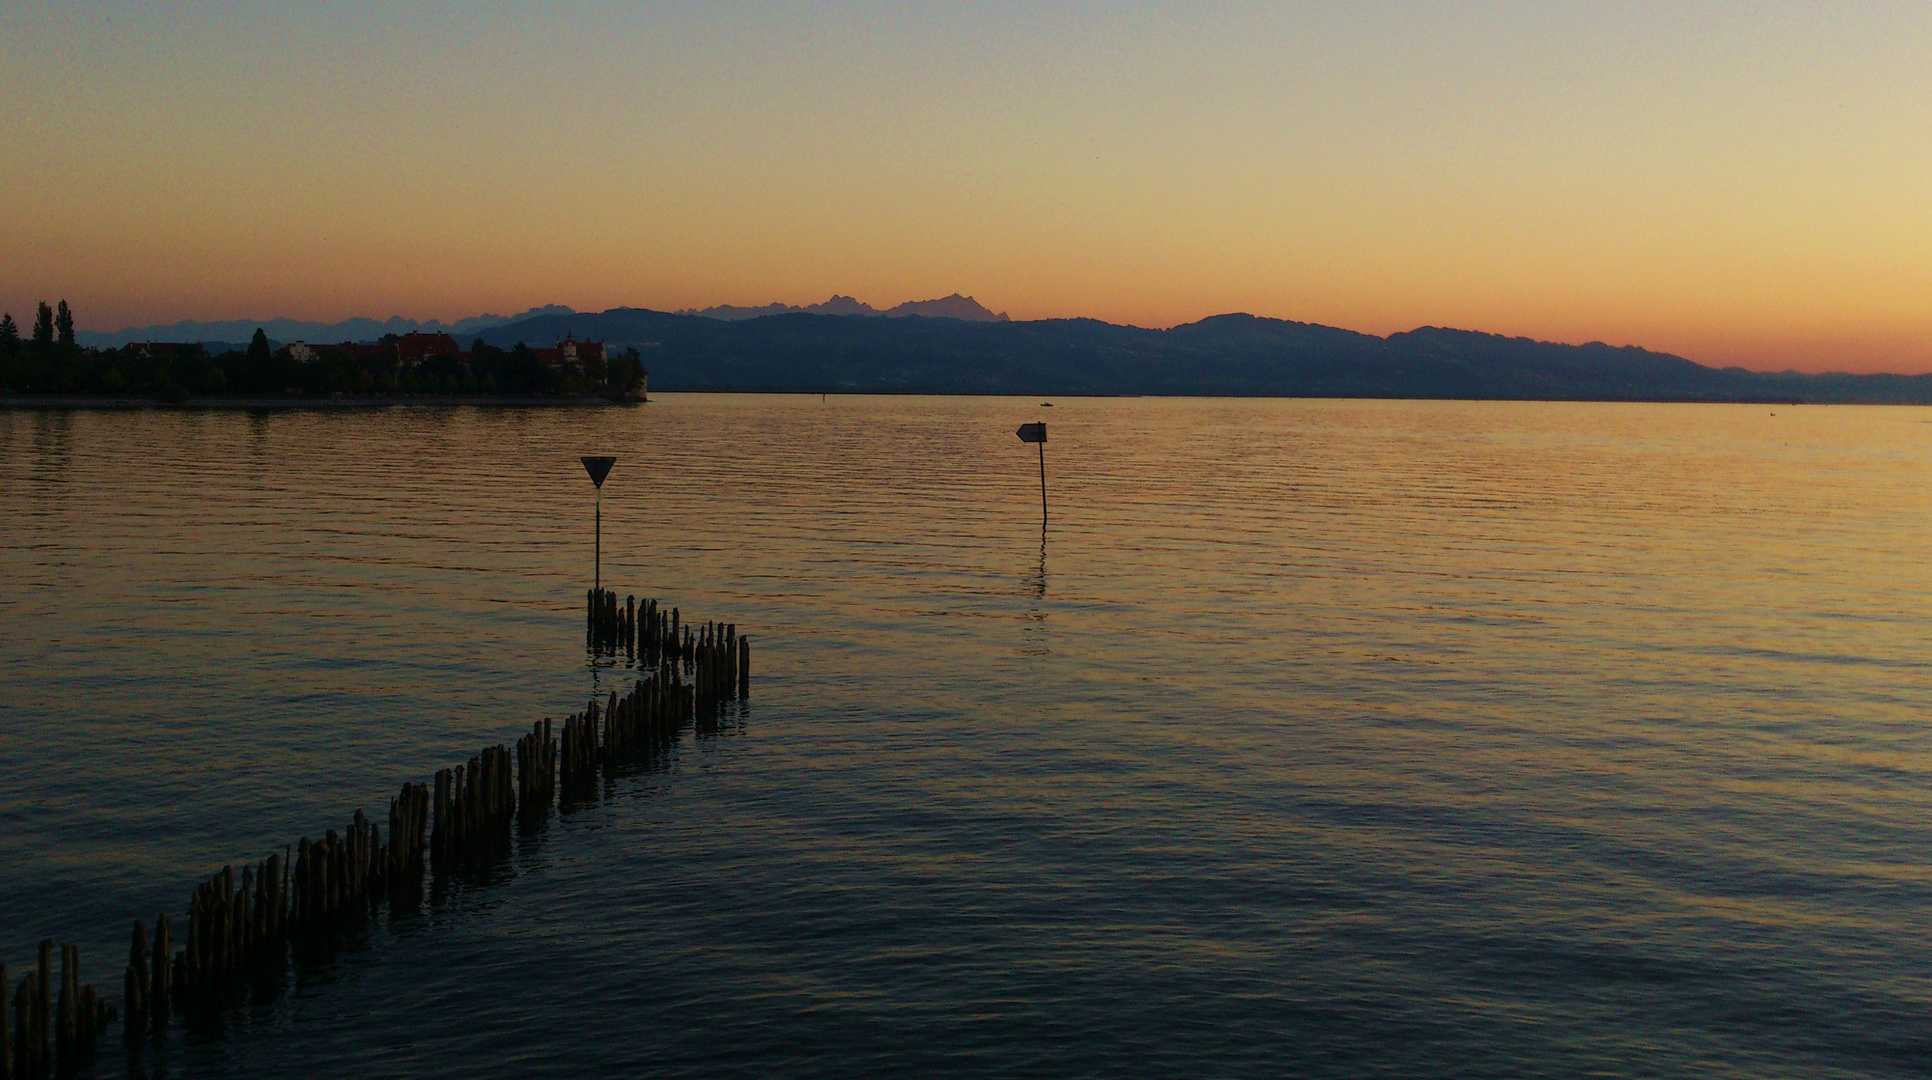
{"x": 1314, "y": 738}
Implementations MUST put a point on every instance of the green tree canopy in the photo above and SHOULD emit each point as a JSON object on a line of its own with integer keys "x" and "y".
{"x": 9, "y": 333}
{"x": 258, "y": 350}
{"x": 44, "y": 325}
{"x": 64, "y": 324}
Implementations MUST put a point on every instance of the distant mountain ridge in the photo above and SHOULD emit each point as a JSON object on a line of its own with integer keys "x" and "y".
{"x": 1225, "y": 355}
{"x": 239, "y": 331}
{"x": 964, "y": 308}
{"x": 954, "y": 345}
{"x": 364, "y": 330}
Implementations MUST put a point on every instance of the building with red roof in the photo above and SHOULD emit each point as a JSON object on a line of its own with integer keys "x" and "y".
{"x": 571, "y": 351}
{"x": 413, "y": 349}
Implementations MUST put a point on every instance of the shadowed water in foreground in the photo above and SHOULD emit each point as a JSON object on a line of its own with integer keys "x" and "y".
{"x": 1323, "y": 738}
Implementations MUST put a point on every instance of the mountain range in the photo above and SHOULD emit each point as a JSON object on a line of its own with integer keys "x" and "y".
{"x": 956, "y": 346}
{"x": 946, "y": 307}
{"x": 239, "y": 331}
{"x": 1226, "y": 355}
{"x": 281, "y": 331}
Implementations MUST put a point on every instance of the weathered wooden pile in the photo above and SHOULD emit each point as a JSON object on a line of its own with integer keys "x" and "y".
{"x": 145, "y": 986}
{"x": 717, "y": 660}
{"x": 51, "y": 1032}
{"x": 611, "y": 627}
{"x": 536, "y": 773}
{"x": 241, "y": 931}
{"x": 474, "y": 808}
{"x": 408, "y": 850}
{"x": 648, "y": 635}
{"x": 630, "y": 729}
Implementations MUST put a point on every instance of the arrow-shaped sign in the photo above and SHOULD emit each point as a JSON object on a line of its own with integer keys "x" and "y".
{"x": 1027, "y": 433}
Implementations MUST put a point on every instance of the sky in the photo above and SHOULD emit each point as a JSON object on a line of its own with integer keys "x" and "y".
{"x": 1745, "y": 184}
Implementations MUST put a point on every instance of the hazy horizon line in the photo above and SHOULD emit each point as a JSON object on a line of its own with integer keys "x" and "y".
{"x": 456, "y": 324}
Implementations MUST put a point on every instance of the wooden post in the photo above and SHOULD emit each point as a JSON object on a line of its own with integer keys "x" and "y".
{"x": 744, "y": 668}
{"x": 43, "y": 1004}
{"x": 1043, "y": 508}
{"x": 158, "y": 986}
{"x": 23, "y": 1027}
{"x": 65, "y": 1019}
{"x": 134, "y": 987}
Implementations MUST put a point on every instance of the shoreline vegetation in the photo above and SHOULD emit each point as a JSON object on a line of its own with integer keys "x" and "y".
{"x": 56, "y": 402}
{"x": 50, "y": 366}
{"x": 601, "y": 356}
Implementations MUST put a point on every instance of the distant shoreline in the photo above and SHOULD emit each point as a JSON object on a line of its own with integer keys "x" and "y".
{"x": 57, "y": 403}
{"x": 371, "y": 401}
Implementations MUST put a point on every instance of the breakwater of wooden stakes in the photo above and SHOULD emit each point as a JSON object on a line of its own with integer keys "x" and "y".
{"x": 241, "y": 931}
{"x": 645, "y": 632}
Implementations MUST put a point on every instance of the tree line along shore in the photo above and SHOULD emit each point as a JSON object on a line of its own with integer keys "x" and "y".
{"x": 47, "y": 362}
{"x": 600, "y": 356}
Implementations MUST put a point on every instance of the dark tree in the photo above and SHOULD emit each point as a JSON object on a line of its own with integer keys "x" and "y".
{"x": 528, "y": 374}
{"x": 9, "y": 333}
{"x": 64, "y": 324}
{"x": 627, "y": 371}
{"x": 44, "y": 325}
{"x": 258, "y": 368}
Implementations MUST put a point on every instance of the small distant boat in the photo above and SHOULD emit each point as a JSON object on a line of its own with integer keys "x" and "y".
{"x": 1046, "y": 404}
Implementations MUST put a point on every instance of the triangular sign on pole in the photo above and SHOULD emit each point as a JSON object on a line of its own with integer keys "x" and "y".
{"x": 598, "y": 468}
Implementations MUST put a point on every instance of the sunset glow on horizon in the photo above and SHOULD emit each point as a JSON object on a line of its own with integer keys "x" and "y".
{"x": 1742, "y": 185}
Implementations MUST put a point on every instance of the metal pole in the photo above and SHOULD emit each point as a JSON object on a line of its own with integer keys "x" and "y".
{"x": 600, "y": 539}
{"x": 1043, "y": 513}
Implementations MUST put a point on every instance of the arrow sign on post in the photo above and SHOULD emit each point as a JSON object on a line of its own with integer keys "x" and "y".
{"x": 1036, "y": 433}
{"x": 598, "y": 468}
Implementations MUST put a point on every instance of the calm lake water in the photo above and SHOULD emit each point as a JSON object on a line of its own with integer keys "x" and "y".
{"x": 1319, "y": 738}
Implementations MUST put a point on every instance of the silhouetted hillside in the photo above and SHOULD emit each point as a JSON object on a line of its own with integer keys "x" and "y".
{"x": 238, "y": 331}
{"x": 1237, "y": 355}
{"x": 946, "y": 307}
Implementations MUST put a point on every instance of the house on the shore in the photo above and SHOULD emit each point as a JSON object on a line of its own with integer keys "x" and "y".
{"x": 413, "y": 349}
{"x": 304, "y": 353}
{"x": 162, "y": 350}
{"x": 409, "y": 350}
{"x": 571, "y": 351}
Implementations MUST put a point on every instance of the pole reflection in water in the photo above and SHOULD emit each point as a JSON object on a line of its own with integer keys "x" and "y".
{"x": 1033, "y": 624}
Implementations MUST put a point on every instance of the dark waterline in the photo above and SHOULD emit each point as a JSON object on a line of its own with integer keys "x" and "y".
{"x": 1325, "y": 738}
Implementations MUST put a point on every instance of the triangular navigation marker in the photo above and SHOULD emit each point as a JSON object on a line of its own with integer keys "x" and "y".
{"x": 1027, "y": 433}
{"x": 598, "y": 468}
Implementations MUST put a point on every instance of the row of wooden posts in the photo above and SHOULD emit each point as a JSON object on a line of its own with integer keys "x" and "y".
{"x": 719, "y": 656}
{"x": 241, "y": 931}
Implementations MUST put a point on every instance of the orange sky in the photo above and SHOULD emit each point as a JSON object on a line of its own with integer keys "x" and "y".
{"x": 1741, "y": 185}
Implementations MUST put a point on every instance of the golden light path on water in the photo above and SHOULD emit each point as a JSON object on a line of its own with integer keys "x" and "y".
{"x": 1316, "y": 737}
